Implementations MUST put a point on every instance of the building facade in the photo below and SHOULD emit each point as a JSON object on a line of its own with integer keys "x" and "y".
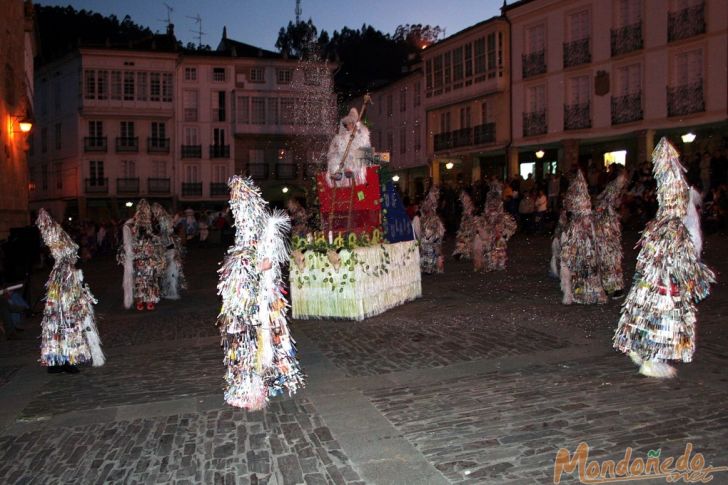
{"x": 466, "y": 99}
{"x": 594, "y": 77}
{"x": 116, "y": 125}
{"x": 17, "y": 50}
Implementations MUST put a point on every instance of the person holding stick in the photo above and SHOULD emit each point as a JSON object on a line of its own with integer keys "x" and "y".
{"x": 343, "y": 158}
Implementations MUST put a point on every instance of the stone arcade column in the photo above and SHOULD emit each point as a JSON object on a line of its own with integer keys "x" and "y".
{"x": 512, "y": 162}
{"x": 645, "y": 146}
{"x": 571, "y": 155}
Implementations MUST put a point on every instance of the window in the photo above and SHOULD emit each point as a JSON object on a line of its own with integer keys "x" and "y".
{"x": 218, "y": 106}
{"x": 486, "y": 113}
{"x": 437, "y": 72}
{"x": 189, "y": 103}
{"x": 578, "y": 90}
{"x": 403, "y": 99}
{"x": 257, "y": 110}
{"x": 403, "y": 139}
{"x": 536, "y": 99}
{"x": 218, "y": 74}
{"x": 59, "y": 175}
{"x": 96, "y": 172}
{"x": 141, "y": 94}
{"x": 418, "y": 94}
{"x": 190, "y": 74}
{"x": 243, "y": 110}
{"x": 256, "y": 156}
{"x": 418, "y": 136}
{"x": 44, "y": 139}
{"x": 57, "y": 98}
{"x": 490, "y": 55}
{"x": 128, "y": 86}
{"x": 128, "y": 169}
{"x": 465, "y": 117}
{"x": 257, "y": 75}
{"x": 116, "y": 85}
{"x": 629, "y": 12}
{"x": 167, "y": 87}
{"x": 90, "y": 84}
{"x": 102, "y": 85}
{"x": 428, "y": 76}
{"x": 480, "y": 56}
{"x": 159, "y": 169}
{"x": 445, "y": 122}
{"x": 390, "y": 102}
{"x": 629, "y": 79}
{"x": 192, "y": 174}
{"x": 284, "y": 76}
{"x": 468, "y": 59}
{"x": 273, "y": 111}
{"x": 159, "y": 132}
{"x": 688, "y": 68}
{"x": 390, "y": 142}
{"x": 44, "y": 176}
{"x": 287, "y": 105}
{"x": 579, "y": 26}
{"x": 95, "y": 129}
{"x": 191, "y": 135}
{"x": 219, "y": 174}
{"x": 57, "y": 136}
{"x": 127, "y": 130}
{"x": 457, "y": 64}
{"x": 218, "y": 136}
{"x": 155, "y": 86}
{"x": 448, "y": 68}
{"x": 535, "y": 39}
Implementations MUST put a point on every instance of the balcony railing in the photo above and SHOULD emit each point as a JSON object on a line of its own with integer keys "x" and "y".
{"x": 626, "y": 108}
{"x": 190, "y": 114}
{"x": 686, "y": 99}
{"x": 285, "y": 171}
{"x": 577, "y": 116}
{"x": 534, "y": 123}
{"x": 627, "y": 39}
{"x": 127, "y": 185}
{"x": 219, "y": 189}
{"x": 191, "y": 189}
{"x": 191, "y": 151}
{"x": 443, "y": 141}
{"x": 484, "y": 133}
{"x": 577, "y": 52}
{"x": 94, "y": 143}
{"x": 157, "y": 145}
{"x": 534, "y": 63}
{"x": 462, "y": 137}
{"x": 259, "y": 171}
{"x": 127, "y": 144}
{"x": 97, "y": 186}
{"x": 686, "y": 23}
{"x": 219, "y": 151}
{"x": 156, "y": 185}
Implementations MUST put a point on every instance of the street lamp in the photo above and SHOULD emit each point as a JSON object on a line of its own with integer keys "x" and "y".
{"x": 395, "y": 178}
{"x": 284, "y": 190}
{"x": 129, "y": 204}
{"x": 688, "y": 137}
{"x": 449, "y": 165}
{"x": 540, "y": 154}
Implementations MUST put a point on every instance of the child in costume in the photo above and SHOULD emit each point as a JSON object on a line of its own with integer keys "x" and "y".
{"x": 432, "y": 232}
{"x": 172, "y": 279}
{"x": 579, "y": 267}
{"x": 142, "y": 256}
{"x": 260, "y": 354}
{"x": 493, "y": 230}
{"x": 658, "y": 318}
{"x": 69, "y": 335}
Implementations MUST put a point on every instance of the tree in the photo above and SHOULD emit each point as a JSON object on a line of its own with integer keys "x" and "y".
{"x": 297, "y": 39}
{"x": 417, "y": 36}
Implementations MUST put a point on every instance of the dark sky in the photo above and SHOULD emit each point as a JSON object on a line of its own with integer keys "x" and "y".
{"x": 257, "y": 22}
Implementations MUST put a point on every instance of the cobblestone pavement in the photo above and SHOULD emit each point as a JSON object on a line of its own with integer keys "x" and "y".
{"x": 480, "y": 381}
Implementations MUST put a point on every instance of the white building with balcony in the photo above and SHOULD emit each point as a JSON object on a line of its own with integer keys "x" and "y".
{"x": 592, "y": 77}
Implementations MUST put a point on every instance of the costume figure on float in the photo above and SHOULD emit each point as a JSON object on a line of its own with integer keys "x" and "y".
{"x": 466, "y": 231}
{"x": 493, "y": 230}
{"x": 344, "y": 158}
{"x": 260, "y": 354}
{"x": 68, "y": 330}
{"x": 173, "y": 278}
{"x": 608, "y": 230}
{"x": 432, "y": 232}
{"x": 579, "y": 266}
{"x": 658, "y": 318}
{"x": 142, "y": 256}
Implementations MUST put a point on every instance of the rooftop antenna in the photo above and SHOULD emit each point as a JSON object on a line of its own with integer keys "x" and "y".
{"x": 169, "y": 13}
{"x": 199, "y": 32}
{"x": 298, "y": 12}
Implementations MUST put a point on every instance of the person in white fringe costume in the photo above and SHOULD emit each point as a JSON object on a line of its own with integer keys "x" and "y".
{"x": 68, "y": 331}
{"x": 173, "y": 278}
{"x": 354, "y": 165}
